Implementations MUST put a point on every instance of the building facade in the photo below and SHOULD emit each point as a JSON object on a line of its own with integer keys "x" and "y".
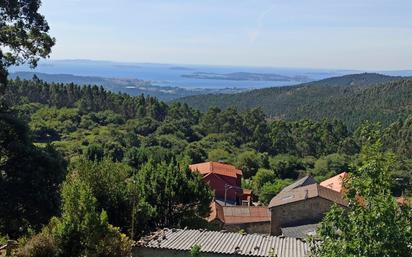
{"x": 225, "y": 181}
{"x": 302, "y": 205}
{"x": 249, "y": 219}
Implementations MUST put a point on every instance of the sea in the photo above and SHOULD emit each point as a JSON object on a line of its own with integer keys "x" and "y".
{"x": 171, "y": 74}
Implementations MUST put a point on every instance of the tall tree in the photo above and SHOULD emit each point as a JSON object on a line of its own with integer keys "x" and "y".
{"x": 84, "y": 230}
{"x": 373, "y": 225}
{"x": 178, "y": 196}
{"x": 29, "y": 179}
{"x": 23, "y": 35}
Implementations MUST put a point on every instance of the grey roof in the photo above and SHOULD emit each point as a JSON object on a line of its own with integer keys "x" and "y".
{"x": 307, "y": 192}
{"x": 302, "y": 232}
{"x": 226, "y": 243}
{"x": 308, "y": 180}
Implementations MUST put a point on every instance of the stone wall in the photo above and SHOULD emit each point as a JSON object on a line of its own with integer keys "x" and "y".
{"x": 298, "y": 213}
{"x": 249, "y": 228}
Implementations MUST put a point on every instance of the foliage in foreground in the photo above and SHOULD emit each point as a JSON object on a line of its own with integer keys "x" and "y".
{"x": 80, "y": 231}
{"x": 29, "y": 179}
{"x": 374, "y": 224}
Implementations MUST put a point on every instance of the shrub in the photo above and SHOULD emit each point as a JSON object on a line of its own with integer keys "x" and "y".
{"x": 40, "y": 245}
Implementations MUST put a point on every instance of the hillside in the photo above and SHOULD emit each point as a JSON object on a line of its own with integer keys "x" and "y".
{"x": 351, "y": 98}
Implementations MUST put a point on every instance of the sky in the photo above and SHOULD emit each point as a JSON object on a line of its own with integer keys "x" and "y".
{"x": 339, "y": 34}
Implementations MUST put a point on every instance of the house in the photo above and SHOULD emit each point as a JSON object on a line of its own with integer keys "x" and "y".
{"x": 302, "y": 203}
{"x": 251, "y": 219}
{"x": 225, "y": 181}
{"x": 180, "y": 242}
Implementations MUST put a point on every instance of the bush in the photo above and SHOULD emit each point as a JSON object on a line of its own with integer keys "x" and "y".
{"x": 114, "y": 244}
{"x": 269, "y": 190}
{"x": 40, "y": 245}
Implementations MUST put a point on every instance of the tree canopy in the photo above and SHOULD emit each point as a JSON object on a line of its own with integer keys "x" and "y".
{"x": 23, "y": 35}
{"x": 374, "y": 224}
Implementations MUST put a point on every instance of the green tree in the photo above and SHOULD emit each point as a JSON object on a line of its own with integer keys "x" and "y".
{"x": 29, "y": 179}
{"x": 94, "y": 152}
{"x": 330, "y": 165}
{"x": 108, "y": 181}
{"x": 373, "y": 225}
{"x": 83, "y": 230}
{"x": 271, "y": 189}
{"x": 249, "y": 162}
{"x": 262, "y": 177}
{"x": 23, "y": 35}
{"x": 287, "y": 166}
{"x": 216, "y": 155}
{"x": 178, "y": 196}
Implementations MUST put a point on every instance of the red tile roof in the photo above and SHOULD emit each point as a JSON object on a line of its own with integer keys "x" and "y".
{"x": 402, "y": 200}
{"x": 335, "y": 183}
{"x": 239, "y": 214}
{"x": 217, "y": 168}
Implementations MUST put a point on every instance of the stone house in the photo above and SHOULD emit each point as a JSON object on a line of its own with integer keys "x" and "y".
{"x": 302, "y": 203}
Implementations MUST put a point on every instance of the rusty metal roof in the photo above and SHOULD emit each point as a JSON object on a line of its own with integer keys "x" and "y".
{"x": 238, "y": 214}
{"x": 226, "y": 243}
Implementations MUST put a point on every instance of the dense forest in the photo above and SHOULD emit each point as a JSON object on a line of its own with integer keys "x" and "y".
{"x": 81, "y": 165}
{"x": 351, "y": 98}
{"x": 123, "y": 149}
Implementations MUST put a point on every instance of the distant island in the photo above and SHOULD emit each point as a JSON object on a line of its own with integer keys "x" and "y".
{"x": 180, "y": 68}
{"x": 246, "y": 76}
{"x": 134, "y": 87}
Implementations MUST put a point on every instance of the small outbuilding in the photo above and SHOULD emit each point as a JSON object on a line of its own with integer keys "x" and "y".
{"x": 251, "y": 219}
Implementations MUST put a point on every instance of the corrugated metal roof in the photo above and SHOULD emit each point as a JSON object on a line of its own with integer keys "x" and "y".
{"x": 226, "y": 243}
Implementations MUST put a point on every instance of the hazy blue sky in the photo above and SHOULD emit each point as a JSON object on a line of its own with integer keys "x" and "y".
{"x": 360, "y": 34}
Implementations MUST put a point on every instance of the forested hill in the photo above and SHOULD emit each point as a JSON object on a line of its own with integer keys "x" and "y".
{"x": 351, "y": 98}
{"x": 126, "y": 149}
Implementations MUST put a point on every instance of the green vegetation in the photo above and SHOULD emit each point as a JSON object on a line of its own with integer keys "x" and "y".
{"x": 93, "y": 124}
{"x": 351, "y": 98}
{"x": 121, "y": 163}
{"x": 134, "y": 87}
{"x": 83, "y": 171}
{"x": 374, "y": 224}
{"x": 23, "y": 36}
{"x": 195, "y": 251}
